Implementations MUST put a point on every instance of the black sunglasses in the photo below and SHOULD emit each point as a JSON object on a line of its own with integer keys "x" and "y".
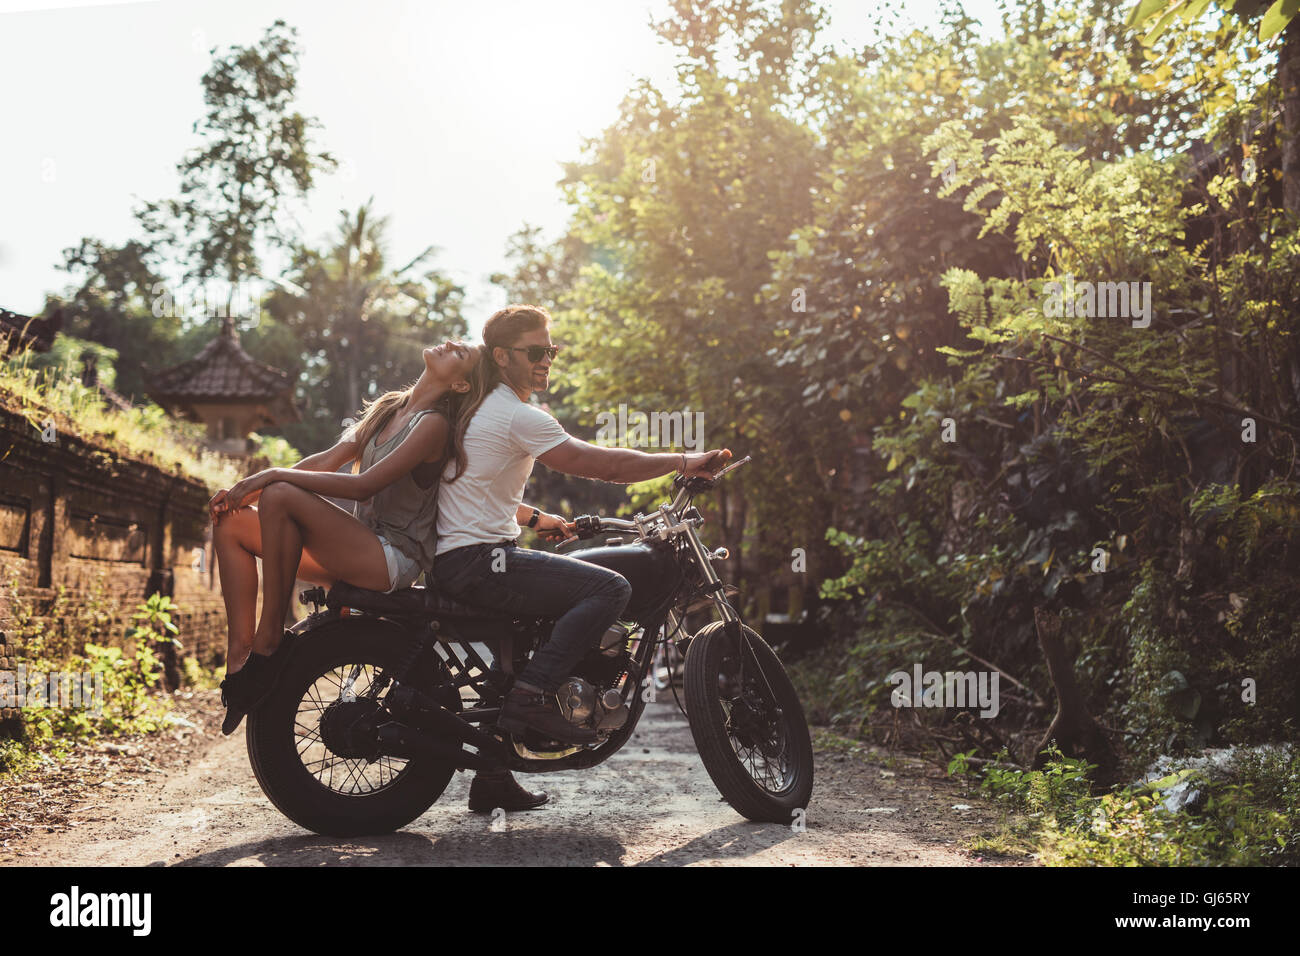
{"x": 535, "y": 352}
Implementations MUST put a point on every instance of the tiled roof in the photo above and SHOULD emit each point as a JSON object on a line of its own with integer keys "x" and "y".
{"x": 223, "y": 370}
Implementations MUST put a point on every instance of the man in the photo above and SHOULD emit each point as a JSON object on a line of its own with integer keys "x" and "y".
{"x": 480, "y": 513}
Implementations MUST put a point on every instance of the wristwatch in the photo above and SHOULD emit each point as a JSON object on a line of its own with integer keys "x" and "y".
{"x": 532, "y": 522}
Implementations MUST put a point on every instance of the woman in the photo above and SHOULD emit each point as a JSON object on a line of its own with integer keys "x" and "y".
{"x": 403, "y": 441}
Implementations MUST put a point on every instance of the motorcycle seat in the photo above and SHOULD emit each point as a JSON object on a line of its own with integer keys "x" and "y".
{"x": 412, "y": 601}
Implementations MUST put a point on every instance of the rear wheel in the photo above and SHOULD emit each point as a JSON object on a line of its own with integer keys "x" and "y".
{"x": 748, "y": 725}
{"x": 327, "y": 791}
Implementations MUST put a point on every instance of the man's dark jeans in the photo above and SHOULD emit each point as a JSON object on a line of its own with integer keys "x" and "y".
{"x": 584, "y": 599}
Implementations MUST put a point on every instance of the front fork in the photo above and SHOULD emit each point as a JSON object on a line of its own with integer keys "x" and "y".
{"x": 737, "y": 641}
{"x": 713, "y": 586}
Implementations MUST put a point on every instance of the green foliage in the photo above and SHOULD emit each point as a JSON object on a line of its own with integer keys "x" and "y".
{"x": 131, "y": 681}
{"x": 1248, "y": 820}
{"x": 131, "y": 674}
{"x": 960, "y": 764}
{"x": 359, "y": 325}
{"x": 1157, "y": 16}
{"x": 112, "y": 304}
{"x": 1250, "y": 817}
{"x": 255, "y": 153}
{"x": 276, "y": 450}
{"x": 1079, "y": 432}
{"x": 64, "y": 359}
{"x": 1058, "y": 791}
{"x": 16, "y": 758}
{"x": 193, "y": 674}
{"x": 883, "y": 334}
{"x": 145, "y": 433}
{"x": 54, "y": 639}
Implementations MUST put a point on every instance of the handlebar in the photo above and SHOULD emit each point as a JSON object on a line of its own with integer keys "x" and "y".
{"x": 697, "y": 483}
{"x": 588, "y": 526}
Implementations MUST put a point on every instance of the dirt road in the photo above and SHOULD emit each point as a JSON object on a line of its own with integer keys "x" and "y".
{"x": 652, "y": 804}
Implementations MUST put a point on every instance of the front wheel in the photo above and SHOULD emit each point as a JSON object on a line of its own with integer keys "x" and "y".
{"x": 748, "y": 724}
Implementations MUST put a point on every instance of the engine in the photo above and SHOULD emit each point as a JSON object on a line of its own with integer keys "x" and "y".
{"x": 587, "y": 706}
{"x": 595, "y": 699}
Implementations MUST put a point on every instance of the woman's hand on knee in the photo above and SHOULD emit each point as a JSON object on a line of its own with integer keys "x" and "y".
{"x": 217, "y": 506}
{"x": 244, "y": 491}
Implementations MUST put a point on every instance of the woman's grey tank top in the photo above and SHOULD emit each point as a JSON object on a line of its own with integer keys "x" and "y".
{"x": 404, "y": 513}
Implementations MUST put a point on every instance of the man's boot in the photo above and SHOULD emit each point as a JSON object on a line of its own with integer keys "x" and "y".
{"x": 525, "y": 707}
{"x": 498, "y": 788}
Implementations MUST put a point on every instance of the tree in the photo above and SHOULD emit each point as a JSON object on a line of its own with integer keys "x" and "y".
{"x": 256, "y": 153}
{"x": 361, "y": 325}
{"x": 113, "y": 306}
{"x": 679, "y": 205}
{"x": 1277, "y": 17}
{"x": 833, "y": 253}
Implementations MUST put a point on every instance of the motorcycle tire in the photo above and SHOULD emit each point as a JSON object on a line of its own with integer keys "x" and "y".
{"x": 290, "y": 766}
{"x": 733, "y": 724}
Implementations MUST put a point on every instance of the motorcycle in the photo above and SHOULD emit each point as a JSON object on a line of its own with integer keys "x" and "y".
{"x": 385, "y": 696}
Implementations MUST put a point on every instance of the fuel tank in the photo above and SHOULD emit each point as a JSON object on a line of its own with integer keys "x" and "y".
{"x": 653, "y": 573}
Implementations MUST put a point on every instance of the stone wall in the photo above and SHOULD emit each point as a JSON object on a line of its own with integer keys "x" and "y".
{"x": 75, "y": 519}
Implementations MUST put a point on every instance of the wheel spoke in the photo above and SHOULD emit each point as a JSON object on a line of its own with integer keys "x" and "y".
{"x": 752, "y": 714}
{"x": 347, "y": 775}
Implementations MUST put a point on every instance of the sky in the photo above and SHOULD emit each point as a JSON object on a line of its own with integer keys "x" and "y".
{"x": 456, "y": 117}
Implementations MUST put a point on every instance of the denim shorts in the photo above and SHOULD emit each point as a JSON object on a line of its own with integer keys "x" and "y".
{"x": 402, "y": 571}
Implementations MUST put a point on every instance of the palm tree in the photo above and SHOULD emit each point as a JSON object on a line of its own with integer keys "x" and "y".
{"x": 362, "y": 325}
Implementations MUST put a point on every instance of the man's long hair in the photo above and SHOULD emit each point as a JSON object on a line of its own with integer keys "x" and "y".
{"x": 502, "y": 330}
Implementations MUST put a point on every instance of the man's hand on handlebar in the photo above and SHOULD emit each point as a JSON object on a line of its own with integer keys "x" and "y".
{"x": 706, "y": 464}
{"x": 554, "y": 528}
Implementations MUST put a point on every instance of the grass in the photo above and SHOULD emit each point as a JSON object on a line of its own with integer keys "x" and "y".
{"x": 146, "y": 434}
{"x": 74, "y": 637}
{"x": 1013, "y": 839}
{"x": 1249, "y": 817}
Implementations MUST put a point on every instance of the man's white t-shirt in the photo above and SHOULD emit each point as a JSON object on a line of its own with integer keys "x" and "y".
{"x": 504, "y": 437}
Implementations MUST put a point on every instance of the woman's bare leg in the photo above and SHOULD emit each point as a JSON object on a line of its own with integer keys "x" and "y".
{"x": 292, "y": 519}
{"x": 237, "y": 544}
{"x": 237, "y": 567}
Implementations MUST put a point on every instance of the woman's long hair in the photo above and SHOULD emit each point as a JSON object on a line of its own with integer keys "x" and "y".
{"x": 458, "y": 407}
{"x": 376, "y": 415}
{"x": 483, "y": 378}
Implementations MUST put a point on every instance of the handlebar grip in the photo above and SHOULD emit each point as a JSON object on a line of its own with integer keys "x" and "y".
{"x": 586, "y": 526}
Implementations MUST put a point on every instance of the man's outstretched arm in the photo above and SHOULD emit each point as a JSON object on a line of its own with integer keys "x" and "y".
{"x": 626, "y": 465}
